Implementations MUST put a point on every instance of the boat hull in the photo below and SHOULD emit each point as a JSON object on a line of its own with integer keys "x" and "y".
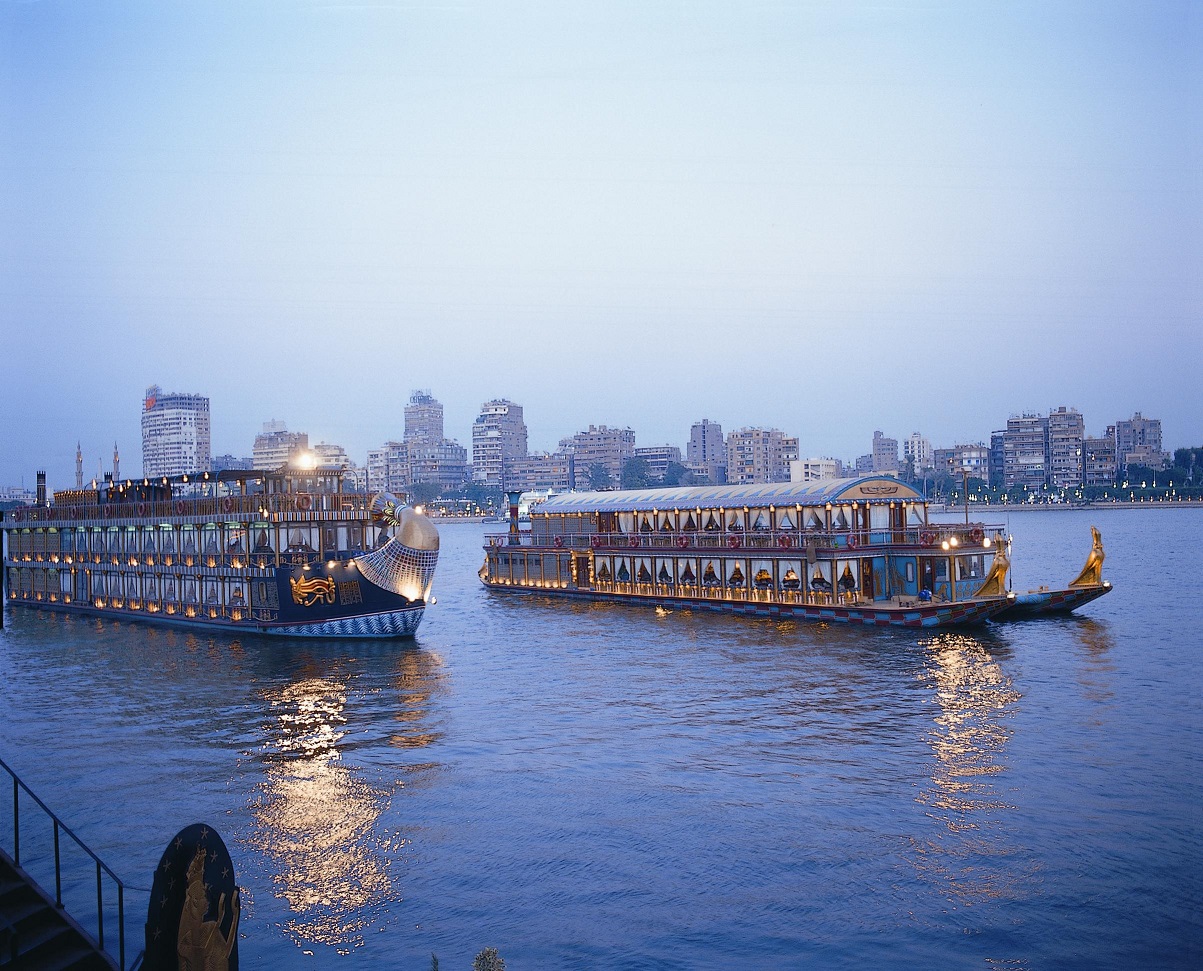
{"x": 1042, "y": 603}
{"x": 920, "y": 615}
{"x": 388, "y": 625}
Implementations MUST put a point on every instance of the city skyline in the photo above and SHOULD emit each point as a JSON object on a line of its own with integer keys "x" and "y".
{"x": 826, "y": 219}
{"x": 276, "y": 437}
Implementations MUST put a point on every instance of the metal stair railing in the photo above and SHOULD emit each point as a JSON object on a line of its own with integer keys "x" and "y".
{"x": 101, "y": 867}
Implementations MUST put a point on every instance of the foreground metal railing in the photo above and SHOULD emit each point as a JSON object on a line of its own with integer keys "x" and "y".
{"x": 101, "y": 867}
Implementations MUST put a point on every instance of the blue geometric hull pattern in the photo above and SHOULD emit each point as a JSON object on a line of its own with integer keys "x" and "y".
{"x": 396, "y": 623}
{"x": 381, "y": 626}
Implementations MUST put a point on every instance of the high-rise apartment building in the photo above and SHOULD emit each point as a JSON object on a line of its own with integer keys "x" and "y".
{"x": 1066, "y": 431}
{"x": 885, "y": 453}
{"x": 757, "y": 455}
{"x": 707, "y": 449}
{"x": 607, "y": 447}
{"x": 1098, "y": 459}
{"x": 276, "y": 446}
{"x": 1025, "y": 452}
{"x": 917, "y": 451}
{"x": 1138, "y": 442}
{"x": 423, "y": 418}
{"x": 498, "y": 435}
{"x": 175, "y": 433}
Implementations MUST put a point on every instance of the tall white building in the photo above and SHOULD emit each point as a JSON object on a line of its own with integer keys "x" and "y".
{"x": 175, "y": 433}
{"x": 707, "y": 449}
{"x": 498, "y": 435}
{"x": 918, "y": 450}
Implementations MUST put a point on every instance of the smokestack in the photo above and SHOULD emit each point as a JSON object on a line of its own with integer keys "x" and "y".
{"x": 41, "y": 488}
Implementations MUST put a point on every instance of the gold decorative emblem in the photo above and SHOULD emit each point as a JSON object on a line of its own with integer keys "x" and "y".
{"x": 310, "y": 590}
{"x": 201, "y": 945}
{"x": 878, "y": 490}
{"x": 1092, "y": 572}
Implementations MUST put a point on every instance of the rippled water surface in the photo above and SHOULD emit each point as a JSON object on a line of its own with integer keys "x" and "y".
{"x": 603, "y": 786}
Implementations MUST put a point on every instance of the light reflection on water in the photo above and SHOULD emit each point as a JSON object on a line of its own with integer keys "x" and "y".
{"x": 968, "y": 738}
{"x": 317, "y": 820}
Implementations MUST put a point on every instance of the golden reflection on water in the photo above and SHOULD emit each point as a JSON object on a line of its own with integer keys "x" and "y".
{"x": 318, "y": 820}
{"x": 968, "y": 738}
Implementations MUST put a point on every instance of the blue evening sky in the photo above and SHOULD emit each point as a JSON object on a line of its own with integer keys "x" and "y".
{"x": 827, "y": 217}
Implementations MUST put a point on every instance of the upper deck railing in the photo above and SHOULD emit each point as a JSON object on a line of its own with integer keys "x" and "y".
{"x": 933, "y": 536}
{"x": 318, "y": 505}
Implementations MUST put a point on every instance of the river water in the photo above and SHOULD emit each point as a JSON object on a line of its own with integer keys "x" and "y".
{"x": 604, "y": 786}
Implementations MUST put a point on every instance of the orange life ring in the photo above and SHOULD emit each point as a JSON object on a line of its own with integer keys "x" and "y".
{"x": 108, "y": 511}
{"x": 179, "y": 507}
{"x": 683, "y": 542}
{"x": 927, "y": 537}
{"x": 74, "y": 512}
{"x": 227, "y": 504}
{"x": 976, "y": 534}
{"x": 17, "y": 515}
{"x": 304, "y": 501}
{"x": 853, "y": 542}
{"x": 559, "y": 542}
{"x": 734, "y": 542}
{"x": 141, "y": 509}
{"x": 784, "y": 542}
{"x": 595, "y": 542}
{"x": 633, "y": 542}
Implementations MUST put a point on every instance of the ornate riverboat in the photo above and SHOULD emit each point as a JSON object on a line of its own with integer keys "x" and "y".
{"x": 859, "y": 550}
{"x": 284, "y": 553}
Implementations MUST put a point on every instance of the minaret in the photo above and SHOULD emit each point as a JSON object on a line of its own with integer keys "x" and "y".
{"x": 79, "y": 466}
{"x": 116, "y": 463}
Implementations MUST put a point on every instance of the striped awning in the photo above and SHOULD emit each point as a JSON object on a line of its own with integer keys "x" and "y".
{"x": 868, "y": 489}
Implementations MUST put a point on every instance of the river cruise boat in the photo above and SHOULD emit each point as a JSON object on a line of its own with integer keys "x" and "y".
{"x": 285, "y": 553}
{"x": 859, "y": 550}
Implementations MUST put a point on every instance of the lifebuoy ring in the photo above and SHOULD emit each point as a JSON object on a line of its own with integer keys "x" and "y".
{"x": 179, "y": 507}
{"x": 633, "y": 542}
{"x": 927, "y": 537}
{"x": 304, "y": 501}
{"x": 853, "y": 542}
{"x": 683, "y": 542}
{"x": 595, "y": 542}
{"x": 141, "y": 509}
{"x": 227, "y": 504}
{"x": 559, "y": 542}
{"x": 784, "y": 542}
{"x": 108, "y": 512}
{"x": 17, "y": 515}
{"x": 74, "y": 512}
{"x": 976, "y": 534}
{"x": 734, "y": 542}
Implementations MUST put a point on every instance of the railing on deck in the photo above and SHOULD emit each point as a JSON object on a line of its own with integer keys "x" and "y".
{"x": 266, "y": 504}
{"x": 930, "y": 537}
{"x": 101, "y": 867}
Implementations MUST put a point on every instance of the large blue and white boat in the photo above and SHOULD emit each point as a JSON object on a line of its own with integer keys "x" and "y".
{"x": 285, "y": 553}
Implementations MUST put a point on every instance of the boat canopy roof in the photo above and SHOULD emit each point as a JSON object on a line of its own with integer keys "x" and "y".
{"x": 869, "y": 489}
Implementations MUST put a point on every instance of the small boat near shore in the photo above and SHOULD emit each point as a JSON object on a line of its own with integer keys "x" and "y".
{"x": 285, "y": 553}
{"x": 860, "y": 550}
